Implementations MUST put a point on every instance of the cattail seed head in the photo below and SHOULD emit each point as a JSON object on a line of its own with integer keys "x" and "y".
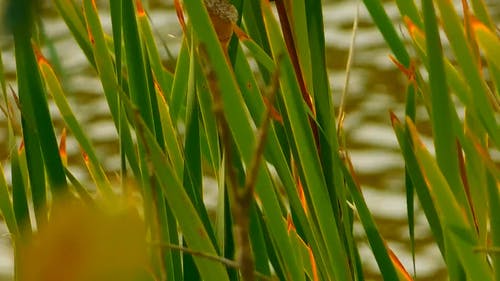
{"x": 223, "y": 15}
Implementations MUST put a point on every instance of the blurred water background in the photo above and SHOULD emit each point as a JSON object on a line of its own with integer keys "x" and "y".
{"x": 375, "y": 87}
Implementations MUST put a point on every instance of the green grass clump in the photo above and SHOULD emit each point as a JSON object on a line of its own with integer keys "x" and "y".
{"x": 213, "y": 114}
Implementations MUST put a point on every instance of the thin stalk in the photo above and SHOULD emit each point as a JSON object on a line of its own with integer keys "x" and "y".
{"x": 240, "y": 199}
{"x": 222, "y": 260}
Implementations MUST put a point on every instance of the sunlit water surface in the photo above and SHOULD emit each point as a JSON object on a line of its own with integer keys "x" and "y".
{"x": 375, "y": 88}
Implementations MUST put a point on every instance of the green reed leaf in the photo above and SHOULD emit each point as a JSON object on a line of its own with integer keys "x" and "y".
{"x": 191, "y": 225}
{"x": 388, "y": 30}
{"x": 444, "y": 138}
{"x": 109, "y": 81}
{"x": 56, "y": 91}
{"x": 34, "y": 107}
{"x": 6, "y": 206}
{"x": 304, "y": 143}
{"x": 468, "y": 63}
{"x": 460, "y": 237}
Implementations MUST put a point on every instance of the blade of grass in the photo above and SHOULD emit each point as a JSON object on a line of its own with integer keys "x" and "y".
{"x": 6, "y": 206}
{"x": 20, "y": 198}
{"x": 259, "y": 248}
{"x": 296, "y": 11}
{"x": 161, "y": 77}
{"x": 109, "y": 81}
{"x": 238, "y": 120}
{"x": 210, "y": 126}
{"x": 386, "y": 27}
{"x": 34, "y": 106}
{"x": 408, "y": 8}
{"x": 481, "y": 12}
{"x": 258, "y": 53}
{"x": 193, "y": 176}
{"x": 3, "y": 85}
{"x": 456, "y": 82}
{"x": 75, "y": 21}
{"x": 326, "y": 117}
{"x": 56, "y": 91}
{"x": 468, "y": 63}
{"x": 172, "y": 145}
{"x": 377, "y": 244}
{"x": 494, "y": 206}
{"x": 305, "y": 145}
{"x": 460, "y": 237}
{"x": 116, "y": 23}
{"x": 274, "y": 152}
{"x": 191, "y": 225}
{"x": 134, "y": 58}
{"x": 254, "y": 25}
{"x": 410, "y": 111}
{"x": 180, "y": 84}
{"x": 80, "y": 189}
{"x": 489, "y": 42}
{"x": 421, "y": 187}
{"x": 444, "y": 138}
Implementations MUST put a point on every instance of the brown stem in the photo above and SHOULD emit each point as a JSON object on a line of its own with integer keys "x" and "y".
{"x": 239, "y": 207}
{"x": 292, "y": 51}
{"x": 222, "y": 260}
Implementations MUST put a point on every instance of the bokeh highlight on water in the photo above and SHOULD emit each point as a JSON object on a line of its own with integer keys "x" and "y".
{"x": 374, "y": 88}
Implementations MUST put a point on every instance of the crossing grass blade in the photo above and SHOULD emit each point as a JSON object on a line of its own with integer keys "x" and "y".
{"x": 20, "y": 198}
{"x": 488, "y": 41}
{"x": 457, "y": 230}
{"x": 183, "y": 69}
{"x": 388, "y": 30}
{"x": 297, "y": 14}
{"x": 3, "y": 84}
{"x": 109, "y": 81}
{"x": 408, "y": 8}
{"x": 55, "y": 89}
{"x": 116, "y": 23}
{"x": 468, "y": 63}
{"x": 33, "y": 99}
{"x": 494, "y": 205}
{"x": 418, "y": 180}
{"x": 188, "y": 218}
{"x": 444, "y": 138}
{"x": 304, "y": 143}
{"x": 6, "y": 206}
{"x": 76, "y": 24}
{"x": 136, "y": 66}
{"x": 377, "y": 244}
{"x": 238, "y": 121}
{"x": 210, "y": 127}
{"x": 162, "y": 78}
{"x": 274, "y": 151}
{"x": 172, "y": 145}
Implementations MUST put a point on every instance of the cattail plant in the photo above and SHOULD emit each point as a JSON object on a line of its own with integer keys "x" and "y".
{"x": 287, "y": 198}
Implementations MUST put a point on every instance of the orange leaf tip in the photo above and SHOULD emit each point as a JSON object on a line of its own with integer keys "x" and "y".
{"x": 410, "y": 25}
{"x": 140, "y": 8}
{"x": 62, "y": 146}
{"x": 240, "y": 33}
{"x": 289, "y": 222}
{"x": 313, "y": 264}
{"x": 394, "y": 119}
{"x": 409, "y": 71}
{"x": 21, "y": 147}
{"x": 39, "y": 56}
{"x": 85, "y": 157}
{"x": 180, "y": 14}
